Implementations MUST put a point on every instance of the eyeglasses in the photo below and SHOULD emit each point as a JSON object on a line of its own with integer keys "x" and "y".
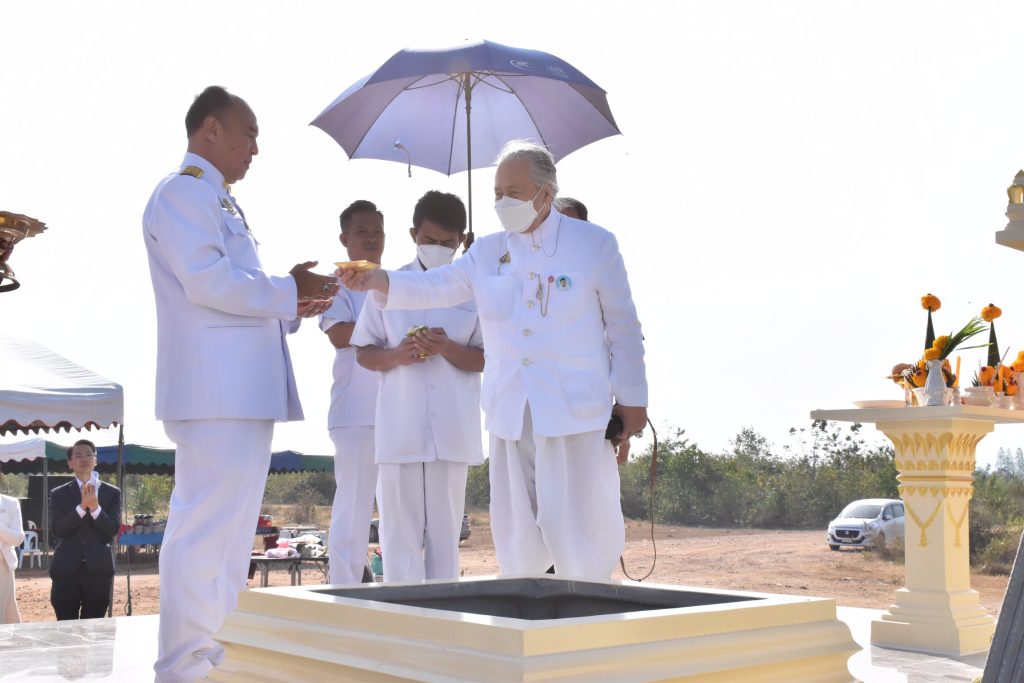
{"x": 83, "y": 456}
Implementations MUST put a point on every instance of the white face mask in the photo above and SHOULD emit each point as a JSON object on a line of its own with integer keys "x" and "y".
{"x": 434, "y": 255}
{"x": 516, "y": 214}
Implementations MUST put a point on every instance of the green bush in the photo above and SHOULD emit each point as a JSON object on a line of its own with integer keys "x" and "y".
{"x": 308, "y": 488}
{"x": 805, "y": 484}
{"x": 147, "y": 494}
{"x": 478, "y": 487}
{"x": 998, "y": 554}
{"x": 755, "y": 486}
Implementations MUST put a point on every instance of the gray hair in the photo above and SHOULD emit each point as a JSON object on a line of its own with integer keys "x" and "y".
{"x": 542, "y": 164}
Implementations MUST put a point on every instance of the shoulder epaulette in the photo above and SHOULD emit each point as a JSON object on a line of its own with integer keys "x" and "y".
{"x": 193, "y": 171}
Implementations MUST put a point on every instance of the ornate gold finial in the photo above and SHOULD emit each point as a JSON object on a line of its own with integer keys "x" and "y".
{"x": 16, "y": 226}
{"x": 1016, "y": 191}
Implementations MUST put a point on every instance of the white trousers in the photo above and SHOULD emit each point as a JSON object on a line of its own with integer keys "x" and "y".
{"x": 555, "y": 500}
{"x": 421, "y": 506}
{"x": 355, "y": 472}
{"x": 220, "y": 471}
{"x": 8, "y": 600}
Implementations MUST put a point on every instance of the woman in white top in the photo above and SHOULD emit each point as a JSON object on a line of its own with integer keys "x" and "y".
{"x": 11, "y": 536}
{"x": 428, "y": 408}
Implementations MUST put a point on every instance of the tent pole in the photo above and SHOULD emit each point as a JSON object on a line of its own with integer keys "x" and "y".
{"x": 124, "y": 516}
{"x": 467, "y": 84}
{"x": 46, "y": 511}
{"x": 120, "y": 466}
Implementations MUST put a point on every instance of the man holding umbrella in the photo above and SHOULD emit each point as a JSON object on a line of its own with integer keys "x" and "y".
{"x": 562, "y": 340}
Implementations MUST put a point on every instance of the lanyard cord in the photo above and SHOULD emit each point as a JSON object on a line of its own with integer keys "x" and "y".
{"x": 653, "y": 478}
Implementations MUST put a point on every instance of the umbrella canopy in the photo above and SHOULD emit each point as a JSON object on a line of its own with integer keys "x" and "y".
{"x": 453, "y": 110}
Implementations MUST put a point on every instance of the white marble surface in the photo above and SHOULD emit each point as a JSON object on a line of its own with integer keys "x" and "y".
{"x": 123, "y": 650}
{"x": 880, "y": 665}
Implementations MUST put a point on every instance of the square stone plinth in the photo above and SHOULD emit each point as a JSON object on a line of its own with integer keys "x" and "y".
{"x": 531, "y": 629}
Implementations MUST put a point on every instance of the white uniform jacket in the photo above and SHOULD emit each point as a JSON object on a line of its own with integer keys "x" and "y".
{"x": 11, "y": 533}
{"x": 425, "y": 411}
{"x": 559, "y": 326}
{"x": 221, "y": 349}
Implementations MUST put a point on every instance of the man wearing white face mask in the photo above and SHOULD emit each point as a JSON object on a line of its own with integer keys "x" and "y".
{"x": 563, "y": 341}
{"x": 428, "y": 415}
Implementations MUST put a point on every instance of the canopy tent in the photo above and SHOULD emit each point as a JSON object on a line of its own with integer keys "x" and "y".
{"x": 43, "y": 391}
{"x": 21, "y": 451}
{"x": 27, "y": 457}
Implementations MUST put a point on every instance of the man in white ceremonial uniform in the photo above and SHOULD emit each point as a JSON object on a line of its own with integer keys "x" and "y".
{"x": 428, "y": 407}
{"x": 562, "y": 341}
{"x": 353, "y": 405}
{"x": 223, "y": 375}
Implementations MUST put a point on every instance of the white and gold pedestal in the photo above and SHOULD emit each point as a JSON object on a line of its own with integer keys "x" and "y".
{"x": 503, "y": 630}
{"x": 936, "y": 611}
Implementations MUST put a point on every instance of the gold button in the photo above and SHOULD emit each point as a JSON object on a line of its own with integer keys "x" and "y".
{"x": 529, "y": 304}
{"x": 527, "y": 333}
{"x": 527, "y": 361}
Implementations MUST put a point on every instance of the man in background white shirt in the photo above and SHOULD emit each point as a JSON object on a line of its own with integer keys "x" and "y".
{"x": 428, "y": 407}
{"x": 353, "y": 404}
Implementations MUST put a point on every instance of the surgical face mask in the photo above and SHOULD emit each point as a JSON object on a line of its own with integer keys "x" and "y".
{"x": 434, "y": 255}
{"x": 516, "y": 214}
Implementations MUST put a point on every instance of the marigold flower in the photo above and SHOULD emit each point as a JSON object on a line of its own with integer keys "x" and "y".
{"x": 932, "y": 353}
{"x": 941, "y": 343}
{"x": 930, "y": 302}
{"x": 990, "y": 313}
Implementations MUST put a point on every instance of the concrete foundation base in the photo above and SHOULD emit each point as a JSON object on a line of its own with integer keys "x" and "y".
{"x": 532, "y": 629}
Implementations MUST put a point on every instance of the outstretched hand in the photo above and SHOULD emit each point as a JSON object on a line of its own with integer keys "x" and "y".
{"x": 313, "y": 286}
{"x": 365, "y": 280}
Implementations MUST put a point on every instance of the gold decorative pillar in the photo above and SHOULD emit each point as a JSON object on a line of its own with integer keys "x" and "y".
{"x": 936, "y": 611}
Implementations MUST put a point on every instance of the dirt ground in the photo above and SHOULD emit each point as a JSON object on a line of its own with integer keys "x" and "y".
{"x": 792, "y": 562}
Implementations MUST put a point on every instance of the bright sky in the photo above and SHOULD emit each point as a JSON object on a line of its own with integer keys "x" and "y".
{"x": 791, "y": 178}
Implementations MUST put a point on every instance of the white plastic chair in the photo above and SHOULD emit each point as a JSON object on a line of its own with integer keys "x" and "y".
{"x": 30, "y": 547}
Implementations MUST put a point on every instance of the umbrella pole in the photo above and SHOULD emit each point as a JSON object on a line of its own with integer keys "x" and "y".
{"x": 467, "y": 85}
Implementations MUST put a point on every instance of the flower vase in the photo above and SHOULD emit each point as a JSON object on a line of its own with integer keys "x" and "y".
{"x": 935, "y": 385}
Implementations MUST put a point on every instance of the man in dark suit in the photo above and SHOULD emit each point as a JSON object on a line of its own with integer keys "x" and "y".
{"x": 85, "y": 516}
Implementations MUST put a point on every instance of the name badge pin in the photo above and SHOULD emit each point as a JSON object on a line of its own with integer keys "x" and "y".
{"x": 563, "y": 282}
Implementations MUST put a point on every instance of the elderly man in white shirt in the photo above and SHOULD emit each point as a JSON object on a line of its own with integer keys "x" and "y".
{"x": 224, "y": 376}
{"x": 428, "y": 407}
{"x": 563, "y": 343}
{"x": 353, "y": 405}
